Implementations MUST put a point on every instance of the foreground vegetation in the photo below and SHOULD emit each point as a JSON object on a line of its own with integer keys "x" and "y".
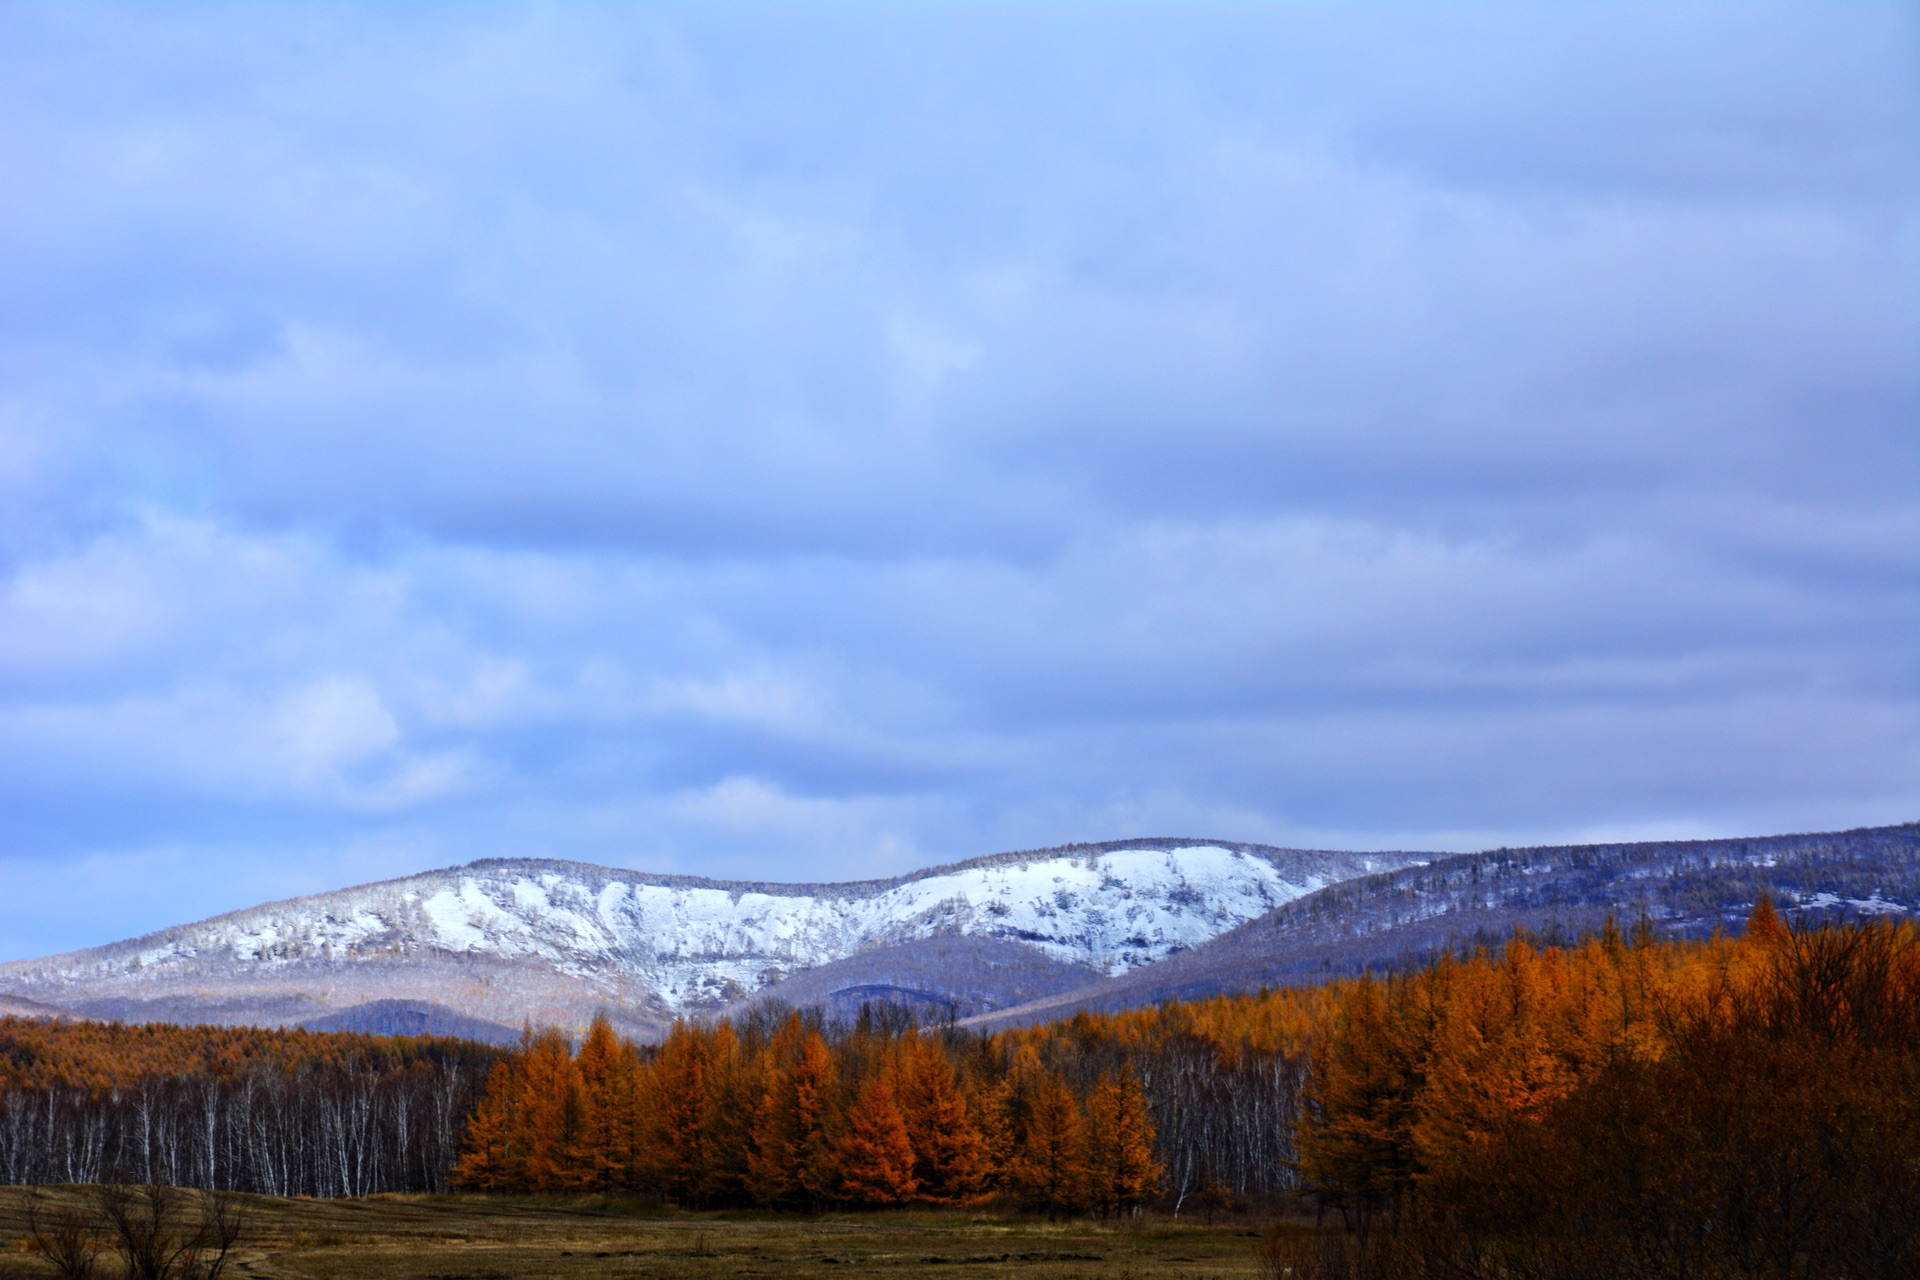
{"x": 491, "y": 1238}
{"x": 1736, "y": 1108}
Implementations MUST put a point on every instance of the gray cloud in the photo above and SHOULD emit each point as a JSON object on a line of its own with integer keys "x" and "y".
{"x": 814, "y": 442}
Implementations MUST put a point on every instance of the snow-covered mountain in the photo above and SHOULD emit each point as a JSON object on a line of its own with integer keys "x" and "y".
{"x": 510, "y": 940}
{"x": 1680, "y": 888}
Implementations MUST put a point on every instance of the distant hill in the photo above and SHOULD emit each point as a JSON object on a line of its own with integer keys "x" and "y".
{"x": 15, "y": 1007}
{"x": 511, "y": 941}
{"x": 1406, "y": 916}
{"x": 412, "y": 1018}
{"x": 937, "y": 977}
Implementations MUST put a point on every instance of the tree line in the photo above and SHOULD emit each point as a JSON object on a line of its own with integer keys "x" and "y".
{"x": 280, "y": 1113}
{"x": 1210, "y": 1090}
{"x": 786, "y": 1112}
{"x": 38, "y": 1053}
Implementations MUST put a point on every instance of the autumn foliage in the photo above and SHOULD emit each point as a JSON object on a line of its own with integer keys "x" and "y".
{"x": 1736, "y": 1106}
{"x": 784, "y": 1117}
{"x": 40, "y": 1054}
{"x": 233, "y": 1108}
{"x": 1743, "y": 1107}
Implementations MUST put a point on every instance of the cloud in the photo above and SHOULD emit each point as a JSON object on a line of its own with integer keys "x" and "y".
{"x": 333, "y": 723}
{"x": 798, "y": 443}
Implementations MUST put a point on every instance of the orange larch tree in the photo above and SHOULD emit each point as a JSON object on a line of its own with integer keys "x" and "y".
{"x": 490, "y": 1161}
{"x": 792, "y": 1162}
{"x": 735, "y": 1085}
{"x": 875, "y": 1156}
{"x": 949, "y": 1158}
{"x": 1048, "y": 1170}
{"x": 548, "y": 1117}
{"x": 1122, "y": 1173}
{"x": 677, "y": 1114}
{"x": 605, "y": 1145}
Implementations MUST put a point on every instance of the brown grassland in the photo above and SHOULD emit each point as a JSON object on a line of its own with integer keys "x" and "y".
{"x": 475, "y": 1237}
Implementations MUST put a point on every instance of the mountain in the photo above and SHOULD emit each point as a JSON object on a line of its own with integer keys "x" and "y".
{"x": 413, "y": 1018}
{"x": 508, "y": 941}
{"x": 15, "y": 1007}
{"x": 945, "y": 975}
{"x": 481, "y": 949}
{"x": 1408, "y": 915}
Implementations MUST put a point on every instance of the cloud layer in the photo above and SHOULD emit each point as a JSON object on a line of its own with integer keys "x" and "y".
{"x": 816, "y": 442}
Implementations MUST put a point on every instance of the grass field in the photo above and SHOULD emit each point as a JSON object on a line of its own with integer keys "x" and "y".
{"x": 466, "y": 1238}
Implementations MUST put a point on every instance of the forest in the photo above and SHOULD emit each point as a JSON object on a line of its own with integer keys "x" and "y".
{"x": 233, "y": 1108}
{"x": 1623, "y": 1108}
{"x": 1622, "y": 1105}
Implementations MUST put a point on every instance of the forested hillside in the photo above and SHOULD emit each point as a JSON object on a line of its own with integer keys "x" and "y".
{"x": 1407, "y": 917}
{"x": 948, "y": 974}
{"x": 1744, "y": 1104}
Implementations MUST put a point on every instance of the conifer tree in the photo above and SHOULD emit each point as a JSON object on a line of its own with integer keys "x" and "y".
{"x": 1121, "y": 1170}
{"x": 736, "y": 1084}
{"x": 488, "y": 1160}
{"x": 602, "y": 1158}
{"x": 949, "y": 1159}
{"x": 1764, "y": 926}
{"x": 992, "y": 1105}
{"x": 1048, "y": 1170}
{"x": 1362, "y": 1086}
{"x": 792, "y": 1159}
{"x": 548, "y": 1115}
{"x": 875, "y": 1157}
{"x": 677, "y": 1114}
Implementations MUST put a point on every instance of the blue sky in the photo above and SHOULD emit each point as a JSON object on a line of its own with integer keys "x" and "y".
{"x": 815, "y": 442}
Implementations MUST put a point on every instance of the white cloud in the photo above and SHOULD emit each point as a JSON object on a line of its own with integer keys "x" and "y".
{"x": 332, "y": 724}
{"x": 787, "y": 443}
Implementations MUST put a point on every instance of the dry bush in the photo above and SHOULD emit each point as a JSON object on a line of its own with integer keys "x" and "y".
{"x": 65, "y": 1236}
{"x": 157, "y": 1237}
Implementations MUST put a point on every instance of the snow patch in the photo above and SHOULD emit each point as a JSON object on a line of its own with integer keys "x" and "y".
{"x": 1866, "y": 906}
{"x": 697, "y": 944}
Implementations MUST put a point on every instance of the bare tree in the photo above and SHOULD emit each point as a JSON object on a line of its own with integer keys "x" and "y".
{"x": 64, "y": 1236}
{"x": 148, "y": 1233}
{"x": 222, "y": 1218}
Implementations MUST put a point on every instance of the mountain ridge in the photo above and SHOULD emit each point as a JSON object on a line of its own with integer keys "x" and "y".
{"x": 675, "y": 880}
{"x": 1409, "y": 915}
{"x": 1001, "y": 938}
{"x": 552, "y": 940}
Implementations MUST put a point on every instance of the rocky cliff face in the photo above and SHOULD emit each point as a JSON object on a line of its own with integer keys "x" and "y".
{"x": 525, "y": 939}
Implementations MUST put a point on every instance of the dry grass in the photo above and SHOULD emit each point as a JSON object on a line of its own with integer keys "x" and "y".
{"x": 470, "y": 1237}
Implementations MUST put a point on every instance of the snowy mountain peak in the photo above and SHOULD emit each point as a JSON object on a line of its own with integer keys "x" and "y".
{"x": 682, "y": 942}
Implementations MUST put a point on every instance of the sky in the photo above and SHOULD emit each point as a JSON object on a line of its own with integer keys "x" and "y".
{"x": 813, "y": 442}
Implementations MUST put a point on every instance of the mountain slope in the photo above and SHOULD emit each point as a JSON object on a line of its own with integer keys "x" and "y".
{"x": 1685, "y": 888}
{"x": 412, "y": 1018}
{"x": 15, "y": 1007}
{"x": 513, "y": 940}
{"x": 947, "y": 974}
